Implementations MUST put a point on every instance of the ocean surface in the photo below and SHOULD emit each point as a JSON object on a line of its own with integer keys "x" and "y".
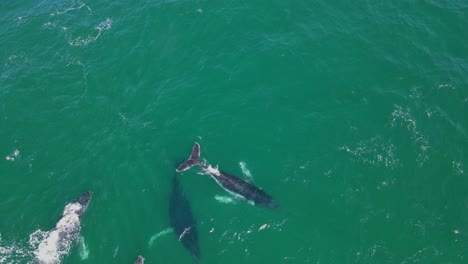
{"x": 353, "y": 115}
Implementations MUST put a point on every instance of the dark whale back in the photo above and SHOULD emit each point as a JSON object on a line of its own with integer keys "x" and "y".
{"x": 246, "y": 189}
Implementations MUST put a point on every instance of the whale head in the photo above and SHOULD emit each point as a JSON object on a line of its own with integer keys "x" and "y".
{"x": 83, "y": 200}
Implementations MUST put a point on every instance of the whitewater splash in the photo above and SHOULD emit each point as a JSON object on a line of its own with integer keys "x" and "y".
{"x": 51, "y": 246}
{"x": 158, "y": 235}
{"x": 56, "y": 243}
{"x": 12, "y": 253}
{"x": 209, "y": 170}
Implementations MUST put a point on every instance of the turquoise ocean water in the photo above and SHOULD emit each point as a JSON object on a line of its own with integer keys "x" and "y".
{"x": 352, "y": 114}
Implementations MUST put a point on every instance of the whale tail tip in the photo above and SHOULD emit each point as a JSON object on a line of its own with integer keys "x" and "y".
{"x": 193, "y": 160}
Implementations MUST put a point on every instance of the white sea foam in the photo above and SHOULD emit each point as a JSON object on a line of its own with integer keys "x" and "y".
{"x": 83, "y": 41}
{"x": 14, "y": 64}
{"x": 416, "y": 93}
{"x": 445, "y": 86}
{"x": 374, "y": 151}
{"x": 212, "y": 170}
{"x": 11, "y": 252}
{"x": 71, "y": 7}
{"x": 55, "y": 244}
{"x": 402, "y": 117}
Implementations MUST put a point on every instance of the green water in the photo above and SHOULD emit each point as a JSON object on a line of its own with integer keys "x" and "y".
{"x": 352, "y": 115}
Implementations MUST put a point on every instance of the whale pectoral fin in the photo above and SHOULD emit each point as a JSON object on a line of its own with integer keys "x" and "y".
{"x": 225, "y": 199}
{"x": 83, "y": 249}
{"x": 158, "y": 235}
{"x": 246, "y": 173}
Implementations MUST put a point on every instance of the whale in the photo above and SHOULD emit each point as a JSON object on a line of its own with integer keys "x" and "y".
{"x": 140, "y": 260}
{"x": 57, "y": 242}
{"x": 182, "y": 220}
{"x": 232, "y": 184}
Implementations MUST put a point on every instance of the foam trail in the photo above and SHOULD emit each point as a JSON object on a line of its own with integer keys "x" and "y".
{"x": 245, "y": 171}
{"x": 51, "y": 246}
{"x": 103, "y": 26}
{"x": 225, "y": 199}
{"x": 158, "y": 235}
{"x": 11, "y": 252}
{"x": 83, "y": 249}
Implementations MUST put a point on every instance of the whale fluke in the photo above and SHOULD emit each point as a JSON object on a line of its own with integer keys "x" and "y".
{"x": 193, "y": 160}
